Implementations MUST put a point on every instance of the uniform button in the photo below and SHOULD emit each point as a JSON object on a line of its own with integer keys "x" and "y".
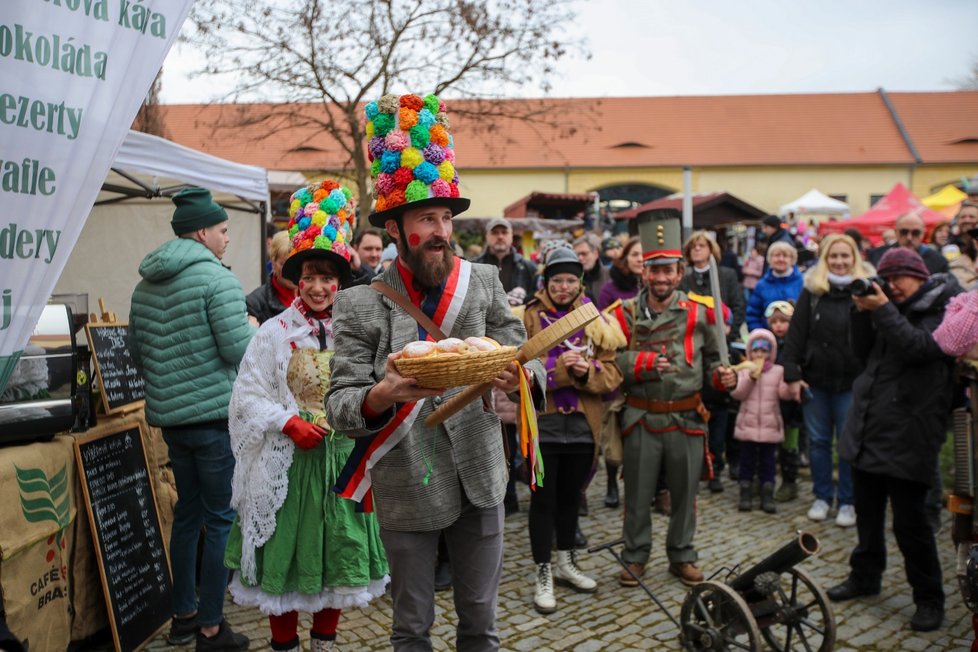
{"x": 438, "y": 400}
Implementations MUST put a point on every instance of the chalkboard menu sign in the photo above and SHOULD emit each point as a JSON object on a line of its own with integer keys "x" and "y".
{"x": 132, "y": 561}
{"x": 120, "y": 382}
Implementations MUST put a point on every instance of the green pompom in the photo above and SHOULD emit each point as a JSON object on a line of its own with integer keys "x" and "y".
{"x": 416, "y": 191}
{"x": 293, "y": 230}
{"x": 375, "y": 168}
{"x": 420, "y": 136}
{"x": 431, "y": 103}
{"x": 330, "y": 206}
{"x": 346, "y": 192}
{"x": 383, "y": 123}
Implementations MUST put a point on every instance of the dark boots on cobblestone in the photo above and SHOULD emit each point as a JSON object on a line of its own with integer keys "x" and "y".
{"x": 767, "y": 498}
{"x": 746, "y": 497}
{"x": 580, "y": 541}
{"x": 582, "y": 504}
{"x": 927, "y": 618}
{"x": 611, "y": 498}
{"x": 787, "y": 492}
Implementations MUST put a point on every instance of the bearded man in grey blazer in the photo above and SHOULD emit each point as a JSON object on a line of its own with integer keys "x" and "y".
{"x": 425, "y": 481}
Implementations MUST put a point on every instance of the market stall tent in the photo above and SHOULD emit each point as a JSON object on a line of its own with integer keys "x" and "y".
{"x": 815, "y": 202}
{"x": 883, "y": 215}
{"x": 131, "y": 217}
{"x": 945, "y": 201}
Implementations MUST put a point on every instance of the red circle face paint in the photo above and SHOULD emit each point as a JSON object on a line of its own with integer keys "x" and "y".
{"x": 302, "y": 285}
{"x": 333, "y": 288}
{"x": 414, "y": 239}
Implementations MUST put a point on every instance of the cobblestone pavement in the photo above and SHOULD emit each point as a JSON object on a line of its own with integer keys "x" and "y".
{"x": 617, "y": 618}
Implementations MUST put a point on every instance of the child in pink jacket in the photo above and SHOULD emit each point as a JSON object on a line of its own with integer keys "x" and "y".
{"x": 759, "y": 426}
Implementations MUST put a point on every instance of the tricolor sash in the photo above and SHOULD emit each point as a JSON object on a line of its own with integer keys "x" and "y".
{"x": 354, "y": 481}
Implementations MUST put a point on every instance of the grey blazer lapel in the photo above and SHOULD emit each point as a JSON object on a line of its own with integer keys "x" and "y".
{"x": 403, "y": 327}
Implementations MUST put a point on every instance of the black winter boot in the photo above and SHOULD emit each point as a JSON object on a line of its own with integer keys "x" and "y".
{"x": 611, "y": 498}
{"x": 746, "y": 497}
{"x": 767, "y": 498}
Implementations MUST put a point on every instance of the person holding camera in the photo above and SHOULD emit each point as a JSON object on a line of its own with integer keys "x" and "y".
{"x": 901, "y": 402}
{"x": 817, "y": 358}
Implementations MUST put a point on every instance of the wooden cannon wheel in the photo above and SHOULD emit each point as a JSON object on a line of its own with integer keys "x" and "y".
{"x": 797, "y": 615}
{"x": 715, "y": 617}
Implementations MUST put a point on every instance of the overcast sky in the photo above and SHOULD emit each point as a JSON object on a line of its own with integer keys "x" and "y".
{"x": 706, "y": 47}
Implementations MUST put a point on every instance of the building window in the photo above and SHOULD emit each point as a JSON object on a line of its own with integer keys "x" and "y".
{"x": 875, "y": 198}
{"x": 843, "y": 198}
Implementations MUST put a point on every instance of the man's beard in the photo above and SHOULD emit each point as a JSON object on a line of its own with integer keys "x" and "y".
{"x": 427, "y": 275}
{"x": 660, "y": 293}
{"x": 499, "y": 250}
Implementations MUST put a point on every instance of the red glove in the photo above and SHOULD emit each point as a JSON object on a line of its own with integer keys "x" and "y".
{"x": 305, "y": 435}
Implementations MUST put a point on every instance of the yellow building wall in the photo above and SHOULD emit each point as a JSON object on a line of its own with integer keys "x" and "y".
{"x": 928, "y": 179}
{"x": 769, "y": 188}
{"x": 493, "y": 190}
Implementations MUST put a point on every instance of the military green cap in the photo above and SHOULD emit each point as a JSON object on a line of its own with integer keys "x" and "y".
{"x": 661, "y": 234}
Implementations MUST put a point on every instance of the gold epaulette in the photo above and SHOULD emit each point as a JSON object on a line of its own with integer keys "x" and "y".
{"x": 702, "y": 299}
{"x": 605, "y": 331}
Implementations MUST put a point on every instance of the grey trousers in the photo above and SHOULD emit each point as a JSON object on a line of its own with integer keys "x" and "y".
{"x": 681, "y": 456}
{"x": 475, "y": 547}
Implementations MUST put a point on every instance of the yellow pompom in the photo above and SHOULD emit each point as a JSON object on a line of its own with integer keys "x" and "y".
{"x": 370, "y": 128}
{"x": 411, "y": 158}
{"x": 446, "y": 170}
{"x": 319, "y": 218}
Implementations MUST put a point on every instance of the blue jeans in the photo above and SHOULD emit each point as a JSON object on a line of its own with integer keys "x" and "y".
{"x": 202, "y": 468}
{"x": 823, "y": 412}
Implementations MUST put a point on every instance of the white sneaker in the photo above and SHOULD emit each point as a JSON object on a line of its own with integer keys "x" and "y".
{"x": 543, "y": 598}
{"x": 846, "y": 516}
{"x": 819, "y": 511}
{"x": 567, "y": 573}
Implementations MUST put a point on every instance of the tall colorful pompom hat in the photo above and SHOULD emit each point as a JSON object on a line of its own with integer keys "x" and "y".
{"x": 412, "y": 156}
{"x": 321, "y": 221}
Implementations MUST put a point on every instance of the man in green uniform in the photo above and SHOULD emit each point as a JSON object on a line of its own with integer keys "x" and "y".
{"x": 671, "y": 352}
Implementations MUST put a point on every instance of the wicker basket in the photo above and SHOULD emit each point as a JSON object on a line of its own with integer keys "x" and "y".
{"x": 442, "y": 371}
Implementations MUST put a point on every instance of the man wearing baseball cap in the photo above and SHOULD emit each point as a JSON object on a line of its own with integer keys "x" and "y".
{"x": 896, "y": 426}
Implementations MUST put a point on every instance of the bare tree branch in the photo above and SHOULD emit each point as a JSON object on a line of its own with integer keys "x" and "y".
{"x": 314, "y": 64}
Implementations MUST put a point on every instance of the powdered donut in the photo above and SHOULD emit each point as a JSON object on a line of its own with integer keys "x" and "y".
{"x": 482, "y": 343}
{"x": 452, "y": 345}
{"x": 420, "y": 349}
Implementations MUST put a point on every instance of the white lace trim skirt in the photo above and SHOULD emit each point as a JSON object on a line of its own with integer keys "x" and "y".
{"x": 333, "y": 598}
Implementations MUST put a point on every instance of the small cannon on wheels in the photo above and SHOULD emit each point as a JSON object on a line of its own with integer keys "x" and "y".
{"x": 772, "y": 603}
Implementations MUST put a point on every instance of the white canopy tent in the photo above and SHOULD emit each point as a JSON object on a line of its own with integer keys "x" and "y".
{"x": 815, "y": 202}
{"x": 131, "y": 217}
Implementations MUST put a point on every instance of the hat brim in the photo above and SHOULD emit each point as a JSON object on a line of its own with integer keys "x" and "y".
{"x": 662, "y": 260}
{"x": 455, "y": 204}
{"x": 292, "y": 269}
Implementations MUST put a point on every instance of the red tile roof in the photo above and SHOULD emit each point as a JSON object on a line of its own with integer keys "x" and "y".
{"x": 811, "y": 129}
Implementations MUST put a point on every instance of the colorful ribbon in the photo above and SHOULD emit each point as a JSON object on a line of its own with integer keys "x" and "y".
{"x": 529, "y": 432}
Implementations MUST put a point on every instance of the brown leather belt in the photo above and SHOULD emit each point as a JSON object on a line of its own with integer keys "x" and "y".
{"x": 693, "y": 402}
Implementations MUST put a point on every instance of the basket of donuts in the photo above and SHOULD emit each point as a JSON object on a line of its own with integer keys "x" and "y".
{"x": 452, "y": 362}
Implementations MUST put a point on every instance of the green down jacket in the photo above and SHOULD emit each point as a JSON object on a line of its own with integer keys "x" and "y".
{"x": 188, "y": 330}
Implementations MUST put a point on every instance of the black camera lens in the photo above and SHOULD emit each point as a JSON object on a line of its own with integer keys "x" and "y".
{"x": 861, "y": 287}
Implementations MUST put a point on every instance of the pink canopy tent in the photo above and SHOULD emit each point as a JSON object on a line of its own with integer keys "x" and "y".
{"x": 883, "y": 215}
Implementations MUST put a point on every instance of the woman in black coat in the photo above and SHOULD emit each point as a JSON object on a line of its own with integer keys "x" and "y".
{"x": 897, "y": 424}
{"x": 820, "y": 367}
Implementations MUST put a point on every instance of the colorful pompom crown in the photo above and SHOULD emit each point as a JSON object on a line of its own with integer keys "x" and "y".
{"x": 412, "y": 156}
{"x": 321, "y": 221}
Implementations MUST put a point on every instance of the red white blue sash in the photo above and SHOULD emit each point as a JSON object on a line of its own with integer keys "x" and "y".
{"x": 354, "y": 481}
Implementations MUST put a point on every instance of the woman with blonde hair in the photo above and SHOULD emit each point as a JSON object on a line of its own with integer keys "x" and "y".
{"x": 820, "y": 367}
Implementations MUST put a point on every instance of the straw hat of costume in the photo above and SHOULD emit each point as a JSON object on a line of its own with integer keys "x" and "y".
{"x": 661, "y": 235}
{"x": 412, "y": 156}
{"x": 321, "y": 221}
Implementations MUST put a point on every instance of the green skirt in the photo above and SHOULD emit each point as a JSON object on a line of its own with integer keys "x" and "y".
{"x": 323, "y": 553}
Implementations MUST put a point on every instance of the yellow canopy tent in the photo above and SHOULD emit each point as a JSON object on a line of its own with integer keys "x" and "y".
{"x": 945, "y": 201}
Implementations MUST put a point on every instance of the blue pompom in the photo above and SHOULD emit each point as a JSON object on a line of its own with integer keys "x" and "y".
{"x": 371, "y": 110}
{"x": 304, "y": 223}
{"x": 426, "y": 172}
{"x": 390, "y": 161}
{"x": 330, "y": 232}
{"x": 338, "y": 196}
{"x": 426, "y": 118}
